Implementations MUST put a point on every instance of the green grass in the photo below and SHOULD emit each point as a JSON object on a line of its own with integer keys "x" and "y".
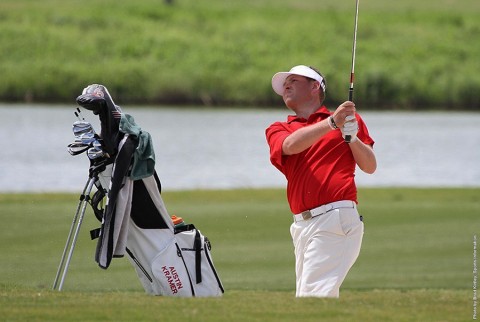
{"x": 410, "y": 54}
{"x": 261, "y": 306}
{"x": 416, "y": 262}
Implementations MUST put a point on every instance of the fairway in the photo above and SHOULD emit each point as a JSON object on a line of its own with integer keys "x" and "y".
{"x": 416, "y": 262}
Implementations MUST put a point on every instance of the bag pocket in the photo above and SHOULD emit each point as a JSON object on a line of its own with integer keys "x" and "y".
{"x": 171, "y": 273}
{"x": 196, "y": 251}
{"x": 208, "y": 247}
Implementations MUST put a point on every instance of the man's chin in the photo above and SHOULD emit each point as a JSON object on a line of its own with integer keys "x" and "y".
{"x": 289, "y": 103}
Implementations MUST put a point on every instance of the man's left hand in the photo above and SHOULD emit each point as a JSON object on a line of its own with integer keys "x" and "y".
{"x": 350, "y": 128}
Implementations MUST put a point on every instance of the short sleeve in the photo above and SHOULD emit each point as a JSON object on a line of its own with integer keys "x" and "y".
{"x": 276, "y": 134}
{"x": 363, "y": 134}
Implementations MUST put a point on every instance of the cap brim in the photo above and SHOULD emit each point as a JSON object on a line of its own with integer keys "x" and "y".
{"x": 278, "y": 80}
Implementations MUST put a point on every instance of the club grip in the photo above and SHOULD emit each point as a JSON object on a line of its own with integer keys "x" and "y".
{"x": 348, "y": 138}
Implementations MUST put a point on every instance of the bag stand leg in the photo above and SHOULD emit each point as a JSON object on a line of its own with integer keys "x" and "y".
{"x": 77, "y": 220}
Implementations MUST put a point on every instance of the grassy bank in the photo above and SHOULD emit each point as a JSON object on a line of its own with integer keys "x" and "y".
{"x": 409, "y": 54}
{"x": 415, "y": 265}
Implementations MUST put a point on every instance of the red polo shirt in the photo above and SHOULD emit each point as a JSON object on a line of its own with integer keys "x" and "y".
{"x": 321, "y": 174}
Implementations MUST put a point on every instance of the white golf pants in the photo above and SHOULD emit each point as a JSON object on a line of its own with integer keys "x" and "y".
{"x": 326, "y": 247}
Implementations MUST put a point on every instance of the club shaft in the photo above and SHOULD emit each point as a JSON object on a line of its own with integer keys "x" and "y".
{"x": 77, "y": 116}
{"x": 79, "y": 111}
{"x": 352, "y": 71}
{"x": 354, "y": 50}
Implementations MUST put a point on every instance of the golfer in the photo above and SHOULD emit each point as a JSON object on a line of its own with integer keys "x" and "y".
{"x": 319, "y": 165}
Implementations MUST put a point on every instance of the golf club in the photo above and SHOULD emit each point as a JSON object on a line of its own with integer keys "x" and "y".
{"x": 352, "y": 71}
{"x": 86, "y": 138}
{"x": 80, "y": 127}
{"x": 95, "y": 151}
{"x": 79, "y": 115}
{"x": 77, "y": 148}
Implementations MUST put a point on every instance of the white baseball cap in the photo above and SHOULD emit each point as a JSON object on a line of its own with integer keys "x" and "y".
{"x": 279, "y": 78}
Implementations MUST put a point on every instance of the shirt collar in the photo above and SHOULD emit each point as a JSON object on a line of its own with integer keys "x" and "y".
{"x": 322, "y": 110}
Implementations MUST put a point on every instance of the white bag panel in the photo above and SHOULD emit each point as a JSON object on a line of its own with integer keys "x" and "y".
{"x": 105, "y": 177}
{"x": 170, "y": 272}
{"x": 210, "y": 284}
{"x": 145, "y": 245}
{"x": 120, "y": 231}
{"x": 162, "y": 271}
{"x": 146, "y": 279}
{"x": 152, "y": 188}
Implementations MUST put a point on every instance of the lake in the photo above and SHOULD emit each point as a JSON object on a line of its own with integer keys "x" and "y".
{"x": 226, "y": 148}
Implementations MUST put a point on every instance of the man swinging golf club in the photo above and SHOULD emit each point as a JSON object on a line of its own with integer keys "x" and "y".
{"x": 311, "y": 150}
{"x": 318, "y": 152}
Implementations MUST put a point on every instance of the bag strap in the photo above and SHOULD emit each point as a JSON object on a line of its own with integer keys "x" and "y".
{"x": 95, "y": 233}
{"x": 182, "y": 228}
{"x": 197, "y": 245}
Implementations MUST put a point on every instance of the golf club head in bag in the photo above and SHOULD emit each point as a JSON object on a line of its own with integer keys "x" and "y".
{"x": 81, "y": 127}
{"x": 76, "y": 148}
{"x": 84, "y": 136}
{"x": 97, "y": 99}
{"x": 96, "y": 151}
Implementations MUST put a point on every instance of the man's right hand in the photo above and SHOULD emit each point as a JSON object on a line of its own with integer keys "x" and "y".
{"x": 345, "y": 109}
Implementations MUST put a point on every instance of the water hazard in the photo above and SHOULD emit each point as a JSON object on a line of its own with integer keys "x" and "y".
{"x": 222, "y": 149}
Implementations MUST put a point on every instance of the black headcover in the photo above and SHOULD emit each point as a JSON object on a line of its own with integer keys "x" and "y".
{"x": 97, "y": 99}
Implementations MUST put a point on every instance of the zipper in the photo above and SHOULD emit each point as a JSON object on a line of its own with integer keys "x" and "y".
{"x": 207, "y": 254}
{"x": 179, "y": 253}
{"x": 139, "y": 265}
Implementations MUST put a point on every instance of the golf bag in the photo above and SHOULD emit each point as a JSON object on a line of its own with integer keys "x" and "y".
{"x": 170, "y": 260}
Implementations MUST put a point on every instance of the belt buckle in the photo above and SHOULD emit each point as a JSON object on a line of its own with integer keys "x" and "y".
{"x": 306, "y": 215}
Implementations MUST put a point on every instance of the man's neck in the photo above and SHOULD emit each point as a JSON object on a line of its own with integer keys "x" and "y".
{"x": 306, "y": 111}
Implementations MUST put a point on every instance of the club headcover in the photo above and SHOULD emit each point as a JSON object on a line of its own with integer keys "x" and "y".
{"x": 93, "y": 98}
{"x": 97, "y": 99}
